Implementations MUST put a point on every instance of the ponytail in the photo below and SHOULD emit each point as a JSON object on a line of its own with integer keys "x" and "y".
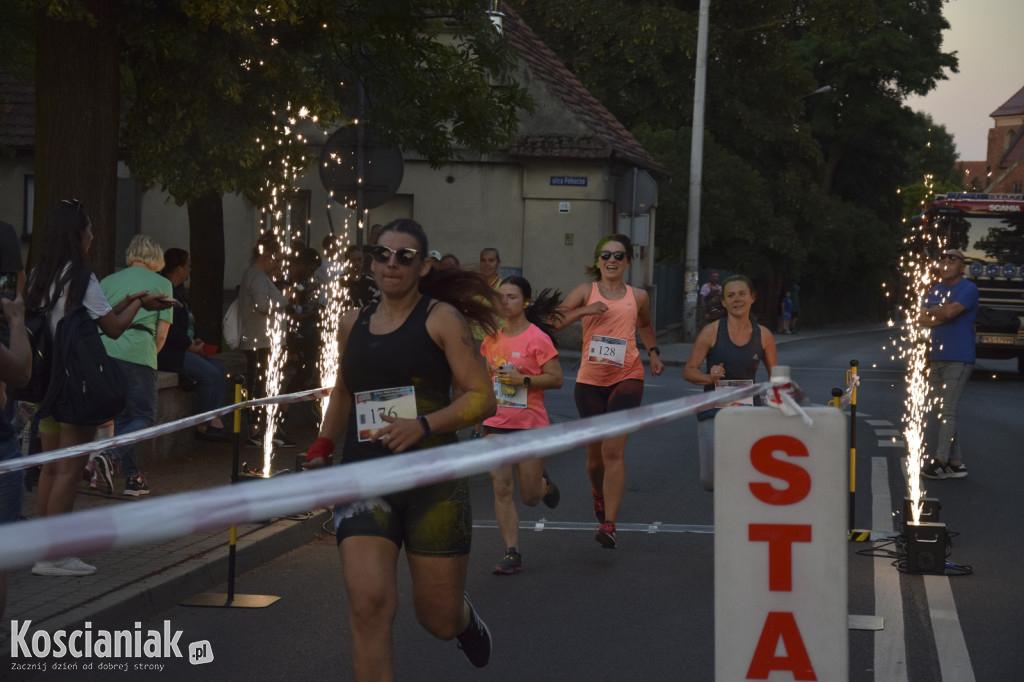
{"x": 542, "y": 311}
{"x": 467, "y": 292}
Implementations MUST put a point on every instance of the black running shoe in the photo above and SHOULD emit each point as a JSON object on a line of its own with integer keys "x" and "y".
{"x": 475, "y": 642}
{"x": 511, "y": 563}
{"x": 551, "y": 495}
{"x": 935, "y": 470}
{"x": 134, "y": 487}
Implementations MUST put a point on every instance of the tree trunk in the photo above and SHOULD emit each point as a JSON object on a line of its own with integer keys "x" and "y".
{"x": 206, "y": 241}
{"x": 77, "y": 121}
{"x": 831, "y": 166}
{"x": 767, "y": 299}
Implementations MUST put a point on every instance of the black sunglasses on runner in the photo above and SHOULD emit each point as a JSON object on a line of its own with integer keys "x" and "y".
{"x": 405, "y": 256}
{"x": 75, "y": 204}
{"x": 618, "y": 255}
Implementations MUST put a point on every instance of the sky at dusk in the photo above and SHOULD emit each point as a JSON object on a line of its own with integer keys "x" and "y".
{"x": 988, "y": 36}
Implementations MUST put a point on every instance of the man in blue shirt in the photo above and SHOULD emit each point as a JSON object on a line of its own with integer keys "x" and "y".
{"x": 949, "y": 311}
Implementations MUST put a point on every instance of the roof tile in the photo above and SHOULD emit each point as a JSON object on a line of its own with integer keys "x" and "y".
{"x": 1012, "y": 106}
{"x": 610, "y": 138}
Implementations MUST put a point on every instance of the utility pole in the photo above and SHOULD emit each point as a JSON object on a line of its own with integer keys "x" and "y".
{"x": 692, "y": 264}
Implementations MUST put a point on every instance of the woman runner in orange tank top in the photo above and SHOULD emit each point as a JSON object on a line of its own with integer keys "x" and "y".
{"x": 611, "y": 375}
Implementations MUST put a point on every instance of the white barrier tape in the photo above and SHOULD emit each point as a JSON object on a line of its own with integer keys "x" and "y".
{"x": 154, "y": 431}
{"x": 781, "y": 396}
{"x": 794, "y": 408}
{"x": 847, "y": 397}
{"x": 106, "y": 528}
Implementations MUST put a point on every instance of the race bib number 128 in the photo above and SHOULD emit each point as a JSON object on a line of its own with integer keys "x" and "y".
{"x": 607, "y": 350}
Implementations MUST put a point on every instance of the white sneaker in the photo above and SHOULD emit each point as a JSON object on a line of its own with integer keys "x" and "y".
{"x": 72, "y": 566}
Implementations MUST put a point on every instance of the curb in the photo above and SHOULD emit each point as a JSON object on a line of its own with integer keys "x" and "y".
{"x": 164, "y": 588}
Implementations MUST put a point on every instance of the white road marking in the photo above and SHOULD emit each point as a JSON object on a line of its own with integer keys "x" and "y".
{"x": 954, "y": 659}
{"x": 890, "y": 649}
{"x": 589, "y": 526}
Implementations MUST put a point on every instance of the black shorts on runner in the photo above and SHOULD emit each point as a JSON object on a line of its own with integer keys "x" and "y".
{"x": 436, "y": 520}
{"x": 594, "y": 400}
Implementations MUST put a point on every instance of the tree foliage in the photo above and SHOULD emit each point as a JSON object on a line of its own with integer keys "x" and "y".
{"x": 214, "y": 91}
{"x": 797, "y": 185}
{"x": 215, "y": 84}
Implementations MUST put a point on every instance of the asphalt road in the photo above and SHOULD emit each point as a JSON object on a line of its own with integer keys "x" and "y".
{"x": 645, "y": 611}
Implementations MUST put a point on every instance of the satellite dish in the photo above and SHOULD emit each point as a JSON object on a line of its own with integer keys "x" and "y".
{"x": 339, "y": 168}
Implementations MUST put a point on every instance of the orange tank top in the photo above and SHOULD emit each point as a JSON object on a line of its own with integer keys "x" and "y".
{"x": 610, "y": 354}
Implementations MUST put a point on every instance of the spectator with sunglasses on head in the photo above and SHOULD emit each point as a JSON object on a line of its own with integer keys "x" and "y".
{"x": 52, "y": 288}
{"x": 611, "y": 376}
{"x": 399, "y": 359}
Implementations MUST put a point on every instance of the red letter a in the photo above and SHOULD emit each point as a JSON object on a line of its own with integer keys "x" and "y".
{"x": 780, "y": 625}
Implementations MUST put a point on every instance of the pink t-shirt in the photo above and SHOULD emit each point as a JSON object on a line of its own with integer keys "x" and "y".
{"x": 610, "y": 354}
{"x": 527, "y": 352}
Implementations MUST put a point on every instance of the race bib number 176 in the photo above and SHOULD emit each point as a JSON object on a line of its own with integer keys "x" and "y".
{"x": 372, "y": 406}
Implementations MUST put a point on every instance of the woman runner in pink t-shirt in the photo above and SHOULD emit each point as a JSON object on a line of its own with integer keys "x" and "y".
{"x": 611, "y": 375}
{"x": 523, "y": 363}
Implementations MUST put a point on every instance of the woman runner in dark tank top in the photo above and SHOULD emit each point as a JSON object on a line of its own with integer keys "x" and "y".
{"x": 734, "y": 348}
{"x": 399, "y": 358}
{"x": 414, "y": 359}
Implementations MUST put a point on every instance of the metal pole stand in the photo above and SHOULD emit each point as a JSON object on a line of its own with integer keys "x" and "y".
{"x": 232, "y": 600}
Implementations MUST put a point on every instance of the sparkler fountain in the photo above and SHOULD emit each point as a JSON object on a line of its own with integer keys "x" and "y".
{"x": 917, "y": 275}
{"x": 278, "y": 213}
{"x": 926, "y": 541}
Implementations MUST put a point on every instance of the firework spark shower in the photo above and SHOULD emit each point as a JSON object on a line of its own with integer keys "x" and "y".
{"x": 917, "y": 271}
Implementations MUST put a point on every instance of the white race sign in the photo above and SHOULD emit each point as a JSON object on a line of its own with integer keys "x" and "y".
{"x": 780, "y": 545}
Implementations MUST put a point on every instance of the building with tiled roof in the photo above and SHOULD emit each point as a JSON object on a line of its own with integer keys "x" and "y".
{"x": 1006, "y": 147}
{"x": 603, "y": 137}
{"x": 547, "y": 200}
{"x": 543, "y": 203}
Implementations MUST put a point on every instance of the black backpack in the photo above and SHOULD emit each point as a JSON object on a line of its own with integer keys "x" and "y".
{"x": 87, "y": 388}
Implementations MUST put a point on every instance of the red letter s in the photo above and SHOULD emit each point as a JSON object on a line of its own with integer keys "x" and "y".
{"x": 796, "y": 476}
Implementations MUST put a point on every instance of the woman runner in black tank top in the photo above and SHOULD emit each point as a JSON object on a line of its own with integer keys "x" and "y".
{"x": 734, "y": 347}
{"x": 739, "y": 362}
{"x": 414, "y": 359}
{"x": 399, "y": 359}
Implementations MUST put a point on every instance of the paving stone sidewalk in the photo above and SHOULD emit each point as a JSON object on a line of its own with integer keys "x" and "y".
{"x": 136, "y": 582}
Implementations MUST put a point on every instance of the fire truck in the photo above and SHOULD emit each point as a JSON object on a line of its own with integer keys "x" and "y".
{"x": 989, "y": 230}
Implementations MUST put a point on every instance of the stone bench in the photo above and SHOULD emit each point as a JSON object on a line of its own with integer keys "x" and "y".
{"x": 174, "y": 404}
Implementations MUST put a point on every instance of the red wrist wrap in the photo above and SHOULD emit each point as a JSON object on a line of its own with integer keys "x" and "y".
{"x": 321, "y": 448}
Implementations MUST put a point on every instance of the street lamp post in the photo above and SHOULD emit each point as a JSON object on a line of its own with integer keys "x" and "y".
{"x": 692, "y": 263}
